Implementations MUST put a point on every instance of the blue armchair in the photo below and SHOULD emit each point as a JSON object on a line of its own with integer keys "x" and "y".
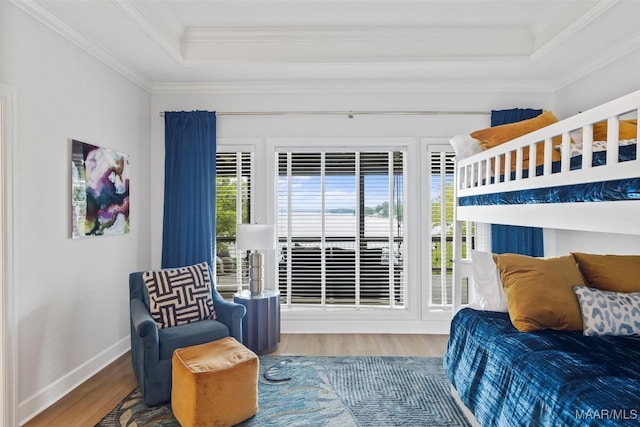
{"x": 152, "y": 348}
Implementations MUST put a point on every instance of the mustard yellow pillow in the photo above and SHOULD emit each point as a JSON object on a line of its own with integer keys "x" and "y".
{"x": 615, "y": 273}
{"x": 540, "y": 291}
{"x": 494, "y": 136}
{"x": 628, "y": 130}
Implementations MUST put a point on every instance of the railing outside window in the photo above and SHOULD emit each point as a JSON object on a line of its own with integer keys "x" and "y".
{"x": 234, "y": 171}
{"x": 340, "y": 228}
{"x": 442, "y": 179}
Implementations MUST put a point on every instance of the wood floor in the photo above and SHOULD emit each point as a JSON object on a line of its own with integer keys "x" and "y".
{"x": 95, "y": 398}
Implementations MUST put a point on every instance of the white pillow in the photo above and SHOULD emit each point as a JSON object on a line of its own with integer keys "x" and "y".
{"x": 465, "y": 146}
{"x": 489, "y": 293}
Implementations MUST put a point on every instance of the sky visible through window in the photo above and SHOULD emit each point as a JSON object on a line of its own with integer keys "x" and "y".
{"x": 340, "y": 192}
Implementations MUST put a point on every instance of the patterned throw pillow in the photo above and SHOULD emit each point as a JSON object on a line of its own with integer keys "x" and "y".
{"x": 609, "y": 313}
{"x": 180, "y": 295}
{"x": 576, "y": 148}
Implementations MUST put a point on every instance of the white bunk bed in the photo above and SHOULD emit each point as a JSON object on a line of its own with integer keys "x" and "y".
{"x": 477, "y": 178}
{"x": 547, "y": 377}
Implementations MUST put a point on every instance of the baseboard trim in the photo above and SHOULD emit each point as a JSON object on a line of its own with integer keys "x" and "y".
{"x": 436, "y": 327}
{"x": 467, "y": 412}
{"x": 32, "y": 406}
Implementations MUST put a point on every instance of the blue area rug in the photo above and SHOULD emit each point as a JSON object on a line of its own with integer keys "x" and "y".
{"x": 331, "y": 391}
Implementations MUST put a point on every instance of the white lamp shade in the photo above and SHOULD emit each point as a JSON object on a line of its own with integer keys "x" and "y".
{"x": 255, "y": 236}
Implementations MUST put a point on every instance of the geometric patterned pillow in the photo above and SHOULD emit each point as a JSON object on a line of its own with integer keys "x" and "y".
{"x": 179, "y": 295}
{"x": 608, "y": 313}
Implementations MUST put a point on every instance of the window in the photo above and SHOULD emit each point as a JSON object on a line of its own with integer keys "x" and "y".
{"x": 233, "y": 206}
{"x": 340, "y": 228}
{"x": 442, "y": 180}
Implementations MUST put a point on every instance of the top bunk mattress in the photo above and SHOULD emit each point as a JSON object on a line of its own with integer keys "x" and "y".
{"x": 512, "y": 378}
{"x": 599, "y": 191}
{"x": 541, "y": 179}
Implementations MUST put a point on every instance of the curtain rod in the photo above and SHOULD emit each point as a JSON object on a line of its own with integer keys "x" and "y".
{"x": 350, "y": 114}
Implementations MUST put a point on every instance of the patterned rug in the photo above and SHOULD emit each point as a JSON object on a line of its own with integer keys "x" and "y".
{"x": 331, "y": 391}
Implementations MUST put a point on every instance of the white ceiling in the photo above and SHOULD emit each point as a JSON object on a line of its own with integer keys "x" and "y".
{"x": 362, "y": 45}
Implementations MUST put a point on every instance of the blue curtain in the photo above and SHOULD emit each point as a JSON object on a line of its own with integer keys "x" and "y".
{"x": 512, "y": 238}
{"x": 188, "y": 232}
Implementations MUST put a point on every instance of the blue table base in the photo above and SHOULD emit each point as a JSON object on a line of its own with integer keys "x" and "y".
{"x": 261, "y": 324}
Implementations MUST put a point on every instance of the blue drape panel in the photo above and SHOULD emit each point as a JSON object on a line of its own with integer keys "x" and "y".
{"x": 512, "y": 238}
{"x": 502, "y": 117}
{"x": 188, "y": 233}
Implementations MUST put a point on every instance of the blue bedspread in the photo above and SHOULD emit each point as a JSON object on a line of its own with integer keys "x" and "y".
{"x": 620, "y": 189}
{"x": 545, "y": 378}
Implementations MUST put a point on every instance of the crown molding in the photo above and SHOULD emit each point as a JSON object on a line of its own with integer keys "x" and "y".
{"x": 335, "y": 35}
{"x": 605, "y": 58}
{"x": 146, "y": 27}
{"x": 201, "y": 46}
{"x": 112, "y": 61}
{"x": 342, "y": 34}
{"x": 571, "y": 29}
{"x": 349, "y": 86}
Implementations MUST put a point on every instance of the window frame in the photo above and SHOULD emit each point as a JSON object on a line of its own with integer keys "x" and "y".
{"x": 417, "y": 214}
{"x": 427, "y": 146}
{"x": 325, "y": 164}
{"x": 366, "y": 314}
{"x": 229, "y": 145}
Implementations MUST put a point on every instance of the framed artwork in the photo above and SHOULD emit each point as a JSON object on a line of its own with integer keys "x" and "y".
{"x": 99, "y": 191}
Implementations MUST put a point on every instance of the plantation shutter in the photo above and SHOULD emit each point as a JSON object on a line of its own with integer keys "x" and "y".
{"x": 233, "y": 206}
{"x": 340, "y": 228}
{"x": 442, "y": 224}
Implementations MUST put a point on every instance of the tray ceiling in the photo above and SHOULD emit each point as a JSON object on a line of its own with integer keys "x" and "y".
{"x": 362, "y": 45}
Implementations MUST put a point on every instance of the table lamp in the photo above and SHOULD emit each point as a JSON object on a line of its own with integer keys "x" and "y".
{"x": 256, "y": 237}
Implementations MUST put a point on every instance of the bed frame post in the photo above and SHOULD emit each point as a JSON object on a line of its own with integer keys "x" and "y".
{"x": 456, "y": 286}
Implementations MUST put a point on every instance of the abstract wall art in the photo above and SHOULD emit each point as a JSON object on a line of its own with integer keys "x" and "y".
{"x": 99, "y": 191}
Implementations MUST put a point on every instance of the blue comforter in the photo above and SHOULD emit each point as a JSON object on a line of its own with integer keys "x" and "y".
{"x": 545, "y": 378}
{"x": 619, "y": 189}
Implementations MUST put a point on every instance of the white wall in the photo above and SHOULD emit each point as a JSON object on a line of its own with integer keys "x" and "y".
{"x": 566, "y": 241}
{"x": 71, "y": 296}
{"x": 616, "y": 79}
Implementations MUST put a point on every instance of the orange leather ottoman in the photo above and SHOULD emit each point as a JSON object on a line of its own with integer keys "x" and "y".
{"x": 214, "y": 384}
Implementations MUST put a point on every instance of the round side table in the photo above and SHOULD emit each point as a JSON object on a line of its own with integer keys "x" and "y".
{"x": 261, "y": 324}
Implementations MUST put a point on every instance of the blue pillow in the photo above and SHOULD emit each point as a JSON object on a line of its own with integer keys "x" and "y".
{"x": 608, "y": 313}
